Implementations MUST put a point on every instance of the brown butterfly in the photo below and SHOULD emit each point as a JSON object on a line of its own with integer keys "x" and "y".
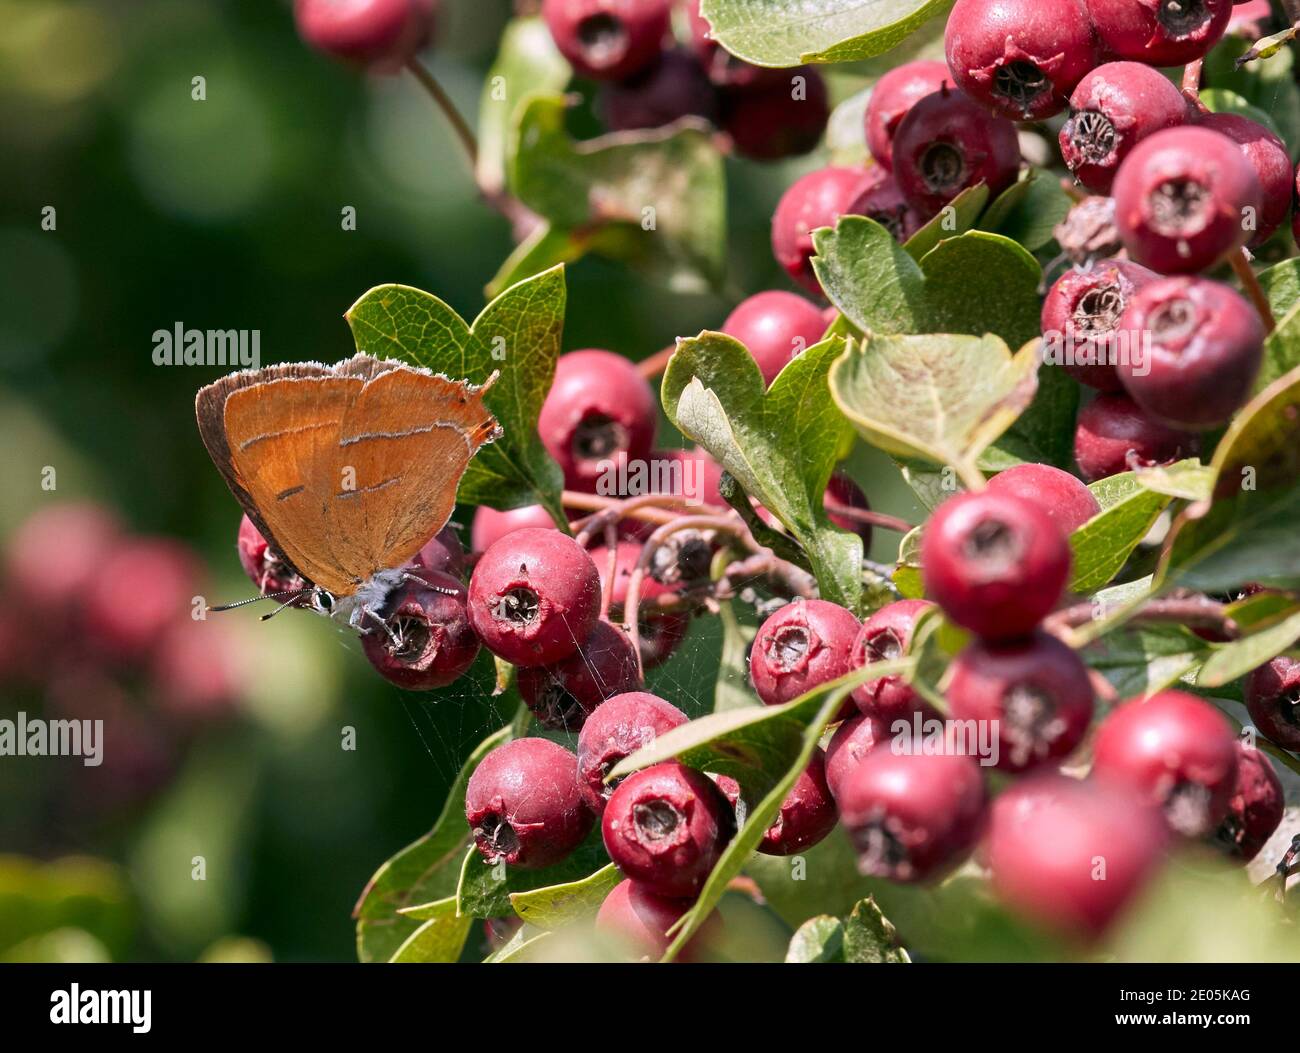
{"x": 347, "y": 470}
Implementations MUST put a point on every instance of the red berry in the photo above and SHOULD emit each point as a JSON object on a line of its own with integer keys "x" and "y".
{"x": 802, "y": 645}
{"x": 995, "y": 563}
{"x": 1080, "y": 320}
{"x": 616, "y": 729}
{"x": 807, "y": 814}
{"x": 777, "y": 118}
{"x": 912, "y": 816}
{"x": 672, "y": 87}
{"x": 55, "y": 554}
{"x": 1169, "y": 33}
{"x": 380, "y": 34}
{"x": 1020, "y": 58}
{"x": 1185, "y": 198}
{"x": 443, "y": 552}
{"x": 775, "y": 326}
{"x": 1257, "y": 806}
{"x": 892, "y": 96}
{"x": 490, "y": 526}
{"x": 701, "y": 476}
{"x": 143, "y": 586}
{"x": 1175, "y": 750}
{"x": 1071, "y": 855}
{"x": 1036, "y": 690}
{"x": 1268, "y": 156}
{"x": 666, "y": 827}
{"x": 266, "y": 570}
{"x": 948, "y": 143}
{"x": 599, "y": 411}
{"x": 885, "y": 636}
{"x": 1197, "y": 349}
{"x": 524, "y": 806}
{"x": 884, "y": 202}
{"x": 1273, "y": 698}
{"x": 196, "y": 670}
{"x": 814, "y": 200}
{"x": 722, "y": 67}
{"x": 852, "y": 741}
{"x": 1113, "y": 109}
{"x": 560, "y": 695}
{"x": 1114, "y": 435}
{"x": 660, "y": 633}
{"x": 533, "y": 596}
{"x": 637, "y": 921}
{"x": 426, "y": 640}
{"x": 608, "y": 39}
{"x": 1250, "y": 19}
{"x": 1067, "y": 502}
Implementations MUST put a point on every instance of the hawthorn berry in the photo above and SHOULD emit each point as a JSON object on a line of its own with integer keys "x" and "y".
{"x": 1067, "y": 502}
{"x": 853, "y": 740}
{"x": 672, "y": 87}
{"x": 1113, "y": 109}
{"x": 1177, "y": 752}
{"x": 533, "y": 596}
{"x": 666, "y": 826}
{"x": 442, "y": 552}
{"x": 912, "y": 816}
{"x": 266, "y": 570}
{"x": 561, "y": 694}
{"x": 599, "y": 411}
{"x": 701, "y": 476}
{"x": 995, "y": 563}
{"x": 1257, "y": 806}
{"x": 379, "y": 34}
{"x": 524, "y": 806}
{"x": 637, "y": 921}
{"x": 195, "y": 671}
{"x": 947, "y": 143}
{"x": 1268, "y": 156}
{"x": 56, "y": 553}
{"x": 143, "y": 585}
{"x": 807, "y": 814}
{"x": 1071, "y": 855}
{"x": 660, "y": 633}
{"x": 884, "y": 202}
{"x": 426, "y": 640}
{"x": 885, "y": 636}
{"x": 608, "y": 39}
{"x": 801, "y": 645}
{"x": 1185, "y": 198}
{"x": 1113, "y": 435}
{"x": 777, "y": 118}
{"x": 1197, "y": 347}
{"x": 1020, "y": 58}
{"x": 617, "y": 728}
{"x": 1273, "y": 699}
{"x": 1036, "y": 690}
{"x": 892, "y": 96}
{"x": 1081, "y": 315}
{"x": 775, "y": 326}
{"x": 813, "y": 200}
{"x": 490, "y": 526}
{"x": 722, "y": 67}
{"x": 1169, "y": 33}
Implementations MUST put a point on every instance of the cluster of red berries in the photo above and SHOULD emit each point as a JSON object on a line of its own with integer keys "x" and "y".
{"x": 100, "y": 622}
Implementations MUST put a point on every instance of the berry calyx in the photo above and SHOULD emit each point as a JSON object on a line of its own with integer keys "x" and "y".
{"x": 885, "y": 636}
{"x": 1036, "y": 690}
{"x": 1197, "y": 347}
{"x": 813, "y": 200}
{"x": 775, "y": 326}
{"x": 561, "y": 694}
{"x": 1113, "y": 435}
{"x": 617, "y": 728}
{"x": 1067, "y": 501}
{"x": 892, "y": 96}
{"x": 804, "y": 644}
{"x": 885, "y": 204}
{"x": 524, "y": 807}
{"x": 533, "y": 596}
{"x": 1257, "y": 806}
{"x": 379, "y": 34}
{"x": 666, "y": 826}
{"x": 1169, "y": 33}
{"x": 912, "y": 816}
{"x": 1175, "y": 750}
{"x": 995, "y": 563}
{"x": 1273, "y": 699}
{"x": 608, "y": 39}
{"x": 426, "y": 640}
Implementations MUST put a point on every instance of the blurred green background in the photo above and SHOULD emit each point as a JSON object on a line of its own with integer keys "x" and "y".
{"x": 225, "y": 213}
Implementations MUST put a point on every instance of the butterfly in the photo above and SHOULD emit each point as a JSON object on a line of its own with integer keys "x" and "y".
{"x": 347, "y": 470}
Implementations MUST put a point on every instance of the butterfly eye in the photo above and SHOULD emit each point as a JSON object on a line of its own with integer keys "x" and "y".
{"x": 324, "y": 601}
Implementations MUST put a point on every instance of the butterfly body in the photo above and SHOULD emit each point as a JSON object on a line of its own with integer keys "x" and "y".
{"x": 347, "y": 470}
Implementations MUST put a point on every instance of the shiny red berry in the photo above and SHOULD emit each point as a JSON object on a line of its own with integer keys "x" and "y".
{"x": 636, "y": 921}
{"x": 807, "y": 814}
{"x": 884, "y": 203}
{"x": 775, "y": 326}
{"x": 660, "y": 634}
{"x": 1273, "y": 698}
{"x": 885, "y": 636}
{"x": 143, "y": 586}
{"x": 608, "y": 39}
{"x": 490, "y": 526}
{"x": 442, "y": 552}
{"x": 426, "y": 640}
{"x": 617, "y": 728}
{"x": 669, "y": 89}
{"x": 1165, "y": 33}
{"x": 1268, "y": 156}
{"x": 1080, "y": 320}
{"x": 1067, "y": 502}
{"x": 1113, "y": 435}
{"x": 804, "y": 644}
{"x": 853, "y": 740}
{"x": 265, "y": 569}
{"x": 561, "y": 694}
{"x": 777, "y": 118}
{"x": 379, "y": 34}
{"x": 814, "y": 200}
{"x": 892, "y": 96}
{"x": 1257, "y": 806}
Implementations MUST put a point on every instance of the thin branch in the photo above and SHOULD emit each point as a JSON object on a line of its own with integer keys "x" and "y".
{"x": 1192, "y": 85}
{"x": 866, "y": 515}
{"x": 653, "y": 366}
{"x": 1194, "y": 611}
{"x": 463, "y": 132}
{"x": 1246, "y": 274}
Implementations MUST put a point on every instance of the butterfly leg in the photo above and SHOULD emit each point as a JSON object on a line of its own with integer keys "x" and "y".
{"x": 383, "y": 625}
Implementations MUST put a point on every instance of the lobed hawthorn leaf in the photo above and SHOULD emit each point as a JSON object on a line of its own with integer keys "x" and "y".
{"x": 598, "y": 195}
{"x": 517, "y": 336}
{"x": 780, "y": 444}
{"x": 555, "y": 906}
{"x": 789, "y": 32}
{"x": 869, "y": 938}
{"x": 486, "y": 890}
{"x": 1102, "y": 545}
{"x": 958, "y": 216}
{"x": 844, "y": 139}
{"x": 819, "y": 939}
{"x": 440, "y": 937}
{"x": 1028, "y": 211}
{"x": 1189, "y": 479}
{"x": 829, "y": 881}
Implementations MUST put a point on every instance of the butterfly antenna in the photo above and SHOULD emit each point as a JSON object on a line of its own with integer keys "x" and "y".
{"x": 428, "y": 584}
{"x": 294, "y": 593}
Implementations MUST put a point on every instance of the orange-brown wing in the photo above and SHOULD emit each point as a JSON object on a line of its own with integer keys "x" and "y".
{"x": 405, "y": 443}
{"x": 283, "y": 438}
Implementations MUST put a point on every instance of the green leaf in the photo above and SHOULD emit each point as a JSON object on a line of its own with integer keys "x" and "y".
{"x": 423, "y": 872}
{"x": 1190, "y": 479}
{"x": 1141, "y": 660}
{"x": 1268, "y": 85}
{"x": 844, "y": 138}
{"x": 907, "y": 572}
{"x": 942, "y": 399}
{"x": 958, "y": 216}
{"x": 1044, "y": 433}
{"x": 1028, "y": 211}
{"x": 869, "y": 938}
{"x": 518, "y": 337}
{"x": 556, "y": 906}
{"x": 1102, "y": 545}
{"x": 1222, "y": 100}
{"x": 440, "y": 938}
{"x": 1281, "y": 284}
{"x": 788, "y": 32}
{"x": 527, "y": 63}
{"x": 828, "y": 881}
{"x": 1282, "y": 346}
{"x": 517, "y": 949}
{"x": 780, "y": 445}
{"x": 487, "y": 890}
{"x": 659, "y": 195}
{"x": 819, "y": 939}
{"x": 1238, "y": 658}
